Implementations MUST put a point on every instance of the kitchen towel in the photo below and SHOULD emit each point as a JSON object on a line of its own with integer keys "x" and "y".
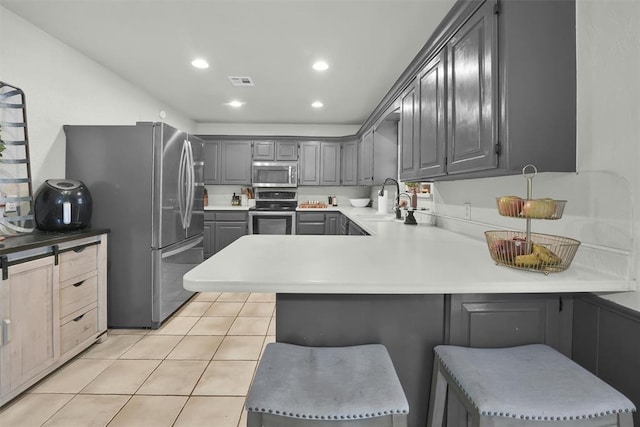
{"x": 383, "y": 202}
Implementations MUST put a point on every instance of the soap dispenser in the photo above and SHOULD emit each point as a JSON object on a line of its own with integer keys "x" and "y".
{"x": 410, "y": 219}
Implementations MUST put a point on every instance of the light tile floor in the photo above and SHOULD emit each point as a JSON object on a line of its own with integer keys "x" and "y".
{"x": 195, "y": 370}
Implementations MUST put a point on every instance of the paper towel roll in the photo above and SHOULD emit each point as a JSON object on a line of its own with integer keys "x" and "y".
{"x": 383, "y": 203}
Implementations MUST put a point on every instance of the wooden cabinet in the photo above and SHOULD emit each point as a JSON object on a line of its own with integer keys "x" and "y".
{"x": 30, "y": 322}
{"x": 497, "y": 93}
{"x": 211, "y": 152}
{"x": 51, "y": 308}
{"x": 235, "y": 162}
{"x": 275, "y": 151}
{"x": 350, "y": 163}
{"x": 221, "y": 228}
{"x": 318, "y": 223}
{"x": 319, "y": 163}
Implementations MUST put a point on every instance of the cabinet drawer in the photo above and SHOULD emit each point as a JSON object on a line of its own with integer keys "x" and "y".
{"x": 311, "y": 217}
{"x": 78, "y": 295}
{"x": 77, "y": 330}
{"x": 74, "y": 264}
{"x": 231, "y": 216}
{"x": 209, "y": 215}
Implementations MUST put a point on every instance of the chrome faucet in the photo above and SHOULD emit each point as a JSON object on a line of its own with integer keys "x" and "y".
{"x": 396, "y": 200}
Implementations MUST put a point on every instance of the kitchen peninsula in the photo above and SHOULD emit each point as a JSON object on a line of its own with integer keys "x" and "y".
{"x": 408, "y": 287}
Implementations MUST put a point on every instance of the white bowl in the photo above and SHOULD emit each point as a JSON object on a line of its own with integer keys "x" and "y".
{"x": 359, "y": 203}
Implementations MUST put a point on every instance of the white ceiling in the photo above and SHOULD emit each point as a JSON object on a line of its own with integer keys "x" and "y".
{"x": 151, "y": 43}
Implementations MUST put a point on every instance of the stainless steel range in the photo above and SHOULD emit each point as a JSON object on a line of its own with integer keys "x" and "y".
{"x": 275, "y": 212}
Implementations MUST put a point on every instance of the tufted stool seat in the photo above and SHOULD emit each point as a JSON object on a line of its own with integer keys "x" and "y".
{"x": 326, "y": 386}
{"x": 531, "y": 385}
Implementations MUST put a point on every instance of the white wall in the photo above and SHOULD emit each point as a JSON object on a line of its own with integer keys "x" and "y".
{"x": 64, "y": 87}
{"x": 604, "y": 197}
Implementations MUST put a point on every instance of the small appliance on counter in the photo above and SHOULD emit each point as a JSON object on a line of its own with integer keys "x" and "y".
{"x": 62, "y": 205}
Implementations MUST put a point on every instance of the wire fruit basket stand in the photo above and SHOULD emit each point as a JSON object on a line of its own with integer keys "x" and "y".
{"x": 544, "y": 253}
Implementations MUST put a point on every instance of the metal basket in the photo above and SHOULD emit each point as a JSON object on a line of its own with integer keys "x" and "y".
{"x": 516, "y": 207}
{"x": 544, "y": 253}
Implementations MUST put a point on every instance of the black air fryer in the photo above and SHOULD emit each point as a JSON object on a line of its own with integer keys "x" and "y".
{"x": 62, "y": 205}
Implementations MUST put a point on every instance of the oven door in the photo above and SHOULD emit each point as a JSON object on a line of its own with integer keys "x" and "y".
{"x": 272, "y": 222}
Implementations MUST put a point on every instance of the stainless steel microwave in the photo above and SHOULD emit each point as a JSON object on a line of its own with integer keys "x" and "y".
{"x": 274, "y": 174}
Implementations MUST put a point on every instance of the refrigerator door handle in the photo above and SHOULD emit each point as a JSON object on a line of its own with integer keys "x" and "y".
{"x": 193, "y": 244}
{"x": 181, "y": 184}
{"x": 189, "y": 184}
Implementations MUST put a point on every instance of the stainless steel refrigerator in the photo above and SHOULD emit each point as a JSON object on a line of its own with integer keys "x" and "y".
{"x": 147, "y": 185}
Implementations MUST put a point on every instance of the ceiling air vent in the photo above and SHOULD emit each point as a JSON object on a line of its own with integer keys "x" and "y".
{"x": 241, "y": 81}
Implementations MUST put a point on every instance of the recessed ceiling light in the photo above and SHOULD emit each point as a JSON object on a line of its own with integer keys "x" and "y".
{"x": 235, "y": 104}
{"x": 320, "y": 66}
{"x": 200, "y": 63}
{"x": 317, "y": 104}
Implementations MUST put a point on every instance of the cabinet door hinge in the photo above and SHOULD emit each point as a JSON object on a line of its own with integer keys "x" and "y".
{"x": 498, "y": 150}
{"x": 496, "y": 8}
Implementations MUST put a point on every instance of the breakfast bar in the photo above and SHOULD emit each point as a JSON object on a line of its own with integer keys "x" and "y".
{"x": 408, "y": 287}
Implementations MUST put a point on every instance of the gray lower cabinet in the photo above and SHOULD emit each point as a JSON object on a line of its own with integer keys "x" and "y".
{"x": 319, "y": 163}
{"x": 504, "y": 320}
{"x": 222, "y": 228}
{"x": 426, "y": 321}
{"x": 317, "y": 223}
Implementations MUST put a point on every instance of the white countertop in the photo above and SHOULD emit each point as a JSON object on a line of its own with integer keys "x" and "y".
{"x": 395, "y": 259}
{"x": 226, "y": 208}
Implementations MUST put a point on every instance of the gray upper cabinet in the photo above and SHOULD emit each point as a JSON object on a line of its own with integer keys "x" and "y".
{"x": 309, "y": 167}
{"x": 275, "y": 151}
{"x": 235, "y": 162}
{"x": 350, "y": 163}
{"x": 408, "y": 124}
{"x": 329, "y": 163}
{"x": 264, "y": 150}
{"x": 497, "y": 92}
{"x": 319, "y": 163}
{"x": 431, "y": 131}
{"x": 471, "y": 84}
{"x": 365, "y": 161}
{"x": 212, "y": 162}
{"x": 379, "y": 153}
{"x": 286, "y": 151}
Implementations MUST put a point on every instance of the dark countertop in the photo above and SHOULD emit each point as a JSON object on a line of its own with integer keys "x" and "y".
{"x": 37, "y": 239}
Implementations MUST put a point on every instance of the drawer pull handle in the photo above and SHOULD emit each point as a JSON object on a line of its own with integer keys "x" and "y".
{"x": 77, "y": 319}
{"x": 75, "y": 285}
{"x": 6, "y": 323}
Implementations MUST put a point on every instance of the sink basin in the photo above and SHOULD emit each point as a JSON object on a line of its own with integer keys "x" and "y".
{"x": 376, "y": 218}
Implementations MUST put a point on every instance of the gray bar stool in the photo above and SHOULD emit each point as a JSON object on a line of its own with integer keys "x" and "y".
{"x": 326, "y": 387}
{"x": 531, "y": 385}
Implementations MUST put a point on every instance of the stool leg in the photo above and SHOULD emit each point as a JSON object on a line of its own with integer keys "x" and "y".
{"x": 625, "y": 419}
{"x": 438, "y": 396}
{"x": 254, "y": 419}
